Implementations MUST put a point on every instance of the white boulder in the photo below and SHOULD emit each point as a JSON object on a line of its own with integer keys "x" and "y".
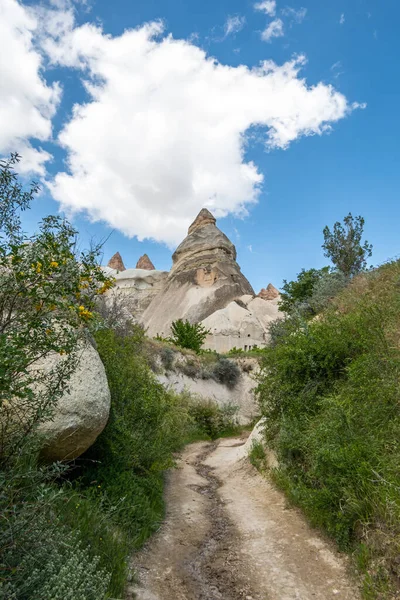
{"x": 81, "y": 413}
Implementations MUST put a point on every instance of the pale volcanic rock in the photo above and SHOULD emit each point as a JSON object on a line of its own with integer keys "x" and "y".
{"x": 81, "y": 414}
{"x": 269, "y": 293}
{"x": 205, "y": 277}
{"x": 116, "y": 262}
{"x": 243, "y": 324}
{"x": 137, "y": 288}
{"x": 145, "y": 263}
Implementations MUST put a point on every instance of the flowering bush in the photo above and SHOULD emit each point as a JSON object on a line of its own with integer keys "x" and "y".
{"x": 47, "y": 292}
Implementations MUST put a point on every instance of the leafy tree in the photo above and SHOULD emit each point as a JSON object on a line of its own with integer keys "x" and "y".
{"x": 298, "y": 292}
{"x": 186, "y": 335}
{"x": 47, "y": 293}
{"x": 344, "y": 245}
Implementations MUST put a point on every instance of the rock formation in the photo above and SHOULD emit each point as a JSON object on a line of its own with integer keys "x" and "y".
{"x": 81, "y": 413}
{"x": 145, "y": 263}
{"x": 204, "y": 285}
{"x": 205, "y": 277}
{"x": 243, "y": 324}
{"x": 137, "y": 288}
{"x": 268, "y": 293}
{"x": 116, "y": 262}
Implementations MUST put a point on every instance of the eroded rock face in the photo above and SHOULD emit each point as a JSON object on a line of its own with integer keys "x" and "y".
{"x": 137, "y": 288}
{"x": 116, "y": 262}
{"x": 243, "y": 324}
{"x": 268, "y": 293}
{"x": 81, "y": 413}
{"x": 205, "y": 277}
{"x": 145, "y": 263}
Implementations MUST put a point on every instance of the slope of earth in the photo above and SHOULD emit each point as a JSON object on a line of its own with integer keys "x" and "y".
{"x": 228, "y": 535}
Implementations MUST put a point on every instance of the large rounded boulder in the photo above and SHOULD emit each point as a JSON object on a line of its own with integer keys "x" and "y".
{"x": 81, "y": 413}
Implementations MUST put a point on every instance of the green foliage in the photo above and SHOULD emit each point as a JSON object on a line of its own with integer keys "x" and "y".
{"x": 297, "y": 293}
{"x": 47, "y": 293}
{"x": 167, "y": 358}
{"x": 187, "y": 335}
{"x": 122, "y": 473}
{"x": 330, "y": 395}
{"x": 40, "y": 557}
{"x": 212, "y": 421}
{"x": 227, "y": 372}
{"x": 46, "y": 296}
{"x": 344, "y": 245}
{"x": 326, "y": 289}
{"x": 257, "y": 455}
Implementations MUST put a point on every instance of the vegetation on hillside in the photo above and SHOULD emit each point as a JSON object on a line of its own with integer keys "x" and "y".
{"x": 67, "y": 530}
{"x": 188, "y": 335}
{"x": 330, "y": 393}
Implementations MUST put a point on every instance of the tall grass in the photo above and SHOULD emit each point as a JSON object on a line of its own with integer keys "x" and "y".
{"x": 330, "y": 392}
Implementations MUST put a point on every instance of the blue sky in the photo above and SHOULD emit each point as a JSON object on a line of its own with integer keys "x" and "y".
{"x": 314, "y": 181}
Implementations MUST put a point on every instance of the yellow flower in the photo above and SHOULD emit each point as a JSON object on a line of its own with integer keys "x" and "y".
{"x": 54, "y": 264}
{"x": 38, "y": 267}
{"x": 48, "y": 331}
{"x": 84, "y": 312}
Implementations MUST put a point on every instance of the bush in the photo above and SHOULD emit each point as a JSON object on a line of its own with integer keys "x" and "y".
{"x": 212, "y": 421}
{"x": 122, "y": 473}
{"x": 227, "y": 372}
{"x": 46, "y": 297}
{"x": 296, "y": 293}
{"x": 40, "y": 556}
{"x": 327, "y": 288}
{"x": 330, "y": 395}
{"x": 167, "y": 356}
{"x": 187, "y": 335}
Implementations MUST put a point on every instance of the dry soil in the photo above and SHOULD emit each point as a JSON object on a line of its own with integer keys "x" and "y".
{"x": 229, "y": 535}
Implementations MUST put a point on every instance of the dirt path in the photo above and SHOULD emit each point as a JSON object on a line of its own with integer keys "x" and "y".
{"x": 228, "y": 535}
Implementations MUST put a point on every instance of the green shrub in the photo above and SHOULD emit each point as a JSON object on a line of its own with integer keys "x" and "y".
{"x": 330, "y": 395}
{"x": 122, "y": 473}
{"x": 167, "y": 358}
{"x": 257, "y": 455}
{"x": 212, "y": 421}
{"x": 327, "y": 288}
{"x": 41, "y": 555}
{"x": 227, "y": 372}
{"x": 188, "y": 335}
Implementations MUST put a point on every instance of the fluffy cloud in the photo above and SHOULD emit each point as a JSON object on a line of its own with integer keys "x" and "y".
{"x": 234, "y": 25}
{"x": 342, "y": 19}
{"x": 273, "y": 30}
{"x": 163, "y": 132}
{"x": 267, "y": 6}
{"x": 27, "y": 102}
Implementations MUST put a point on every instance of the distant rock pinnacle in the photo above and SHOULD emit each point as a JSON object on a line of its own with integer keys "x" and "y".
{"x": 203, "y": 218}
{"x": 116, "y": 262}
{"x": 268, "y": 293}
{"x": 145, "y": 263}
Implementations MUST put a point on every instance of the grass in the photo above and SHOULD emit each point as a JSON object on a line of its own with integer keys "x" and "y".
{"x": 330, "y": 393}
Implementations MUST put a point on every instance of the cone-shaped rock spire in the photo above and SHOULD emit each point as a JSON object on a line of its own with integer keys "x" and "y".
{"x": 145, "y": 263}
{"x": 116, "y": 262}
{"x": 203, "y": 218}
{"x": 268, "y": 293}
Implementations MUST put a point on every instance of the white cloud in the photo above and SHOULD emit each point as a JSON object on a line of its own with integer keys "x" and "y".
{"x": 267, "y": 6}
{"x": 273, "y": 30}
{"x": 250, "y": 248}
{"x": 27, "y": 102}
{"x": 296, "y": 15}
{"x": 165, "y": 127}
{"x": 234, "y": 25}
{"x": 342, "y": 19}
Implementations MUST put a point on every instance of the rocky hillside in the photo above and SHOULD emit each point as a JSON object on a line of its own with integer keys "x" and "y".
{"x": 205, "y": 284}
